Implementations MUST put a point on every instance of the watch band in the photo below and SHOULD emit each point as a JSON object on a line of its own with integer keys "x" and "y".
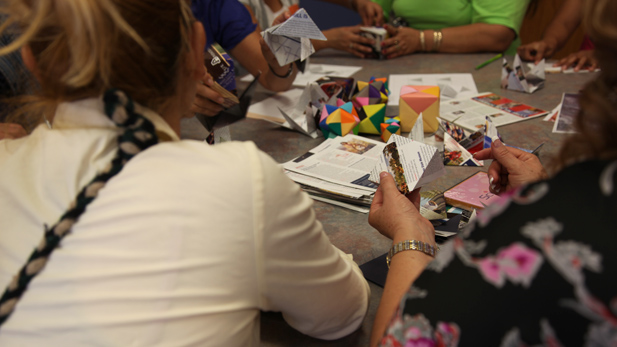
{"x": 411, "y": 245}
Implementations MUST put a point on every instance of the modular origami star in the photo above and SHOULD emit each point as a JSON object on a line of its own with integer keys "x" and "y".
{"x": 419, "y": 99}
{"x": 338, "y": 121}
{"x": 371, "y": 116}
{"x": 391, "y": 126}
{"x": 369, "y": 95}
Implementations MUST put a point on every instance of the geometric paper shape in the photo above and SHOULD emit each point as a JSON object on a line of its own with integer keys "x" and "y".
{"x": 419, "y": 99}
{"x": 371, "y": 118}
{"x": 388, "y": 129}
{"x": 338, "y": 120}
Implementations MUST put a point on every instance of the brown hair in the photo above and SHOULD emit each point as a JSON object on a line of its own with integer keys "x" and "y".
{"x": 597, "y": 121}
{"x": 84, "y": 47}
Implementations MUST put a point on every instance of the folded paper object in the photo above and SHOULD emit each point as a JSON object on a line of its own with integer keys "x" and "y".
{"x": 291, "y": 40}
{"x": 419, "y": 99}
{"x": 518, "y": 79}
{"x": 412, "y": 164}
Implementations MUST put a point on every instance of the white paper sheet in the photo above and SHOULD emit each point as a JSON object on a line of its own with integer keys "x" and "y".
{"x": 454, "y": 85}
{"x": 314, "y": 72}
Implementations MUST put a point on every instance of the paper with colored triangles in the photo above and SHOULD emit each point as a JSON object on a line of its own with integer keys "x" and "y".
{"x": 419, "y": 99}
{"x": 369, "y": 95}
{"x": 391, "y": 126}
{"x": 411, "y": 163}
{"x": 338, "y": 121}
{"x": 291, "y": 40}
{"x": 371, "y": 117}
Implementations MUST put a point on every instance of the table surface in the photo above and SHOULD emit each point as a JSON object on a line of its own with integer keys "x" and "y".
{"x": 349, "y": 230}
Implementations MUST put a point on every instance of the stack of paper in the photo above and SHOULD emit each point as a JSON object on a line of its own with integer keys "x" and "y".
{"x": 337, "y": 171}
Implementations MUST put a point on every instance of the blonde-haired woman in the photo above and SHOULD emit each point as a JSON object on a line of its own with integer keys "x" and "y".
{"x": 537, "y": 267}
{"x": 116, "y": 233}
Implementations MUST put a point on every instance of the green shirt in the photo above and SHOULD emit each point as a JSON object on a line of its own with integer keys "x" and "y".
{"x": 439, "y": 14}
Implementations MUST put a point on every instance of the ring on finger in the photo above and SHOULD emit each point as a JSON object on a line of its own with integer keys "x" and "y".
{"x": 351, "y": 45}
{"x": 396, "y": 42}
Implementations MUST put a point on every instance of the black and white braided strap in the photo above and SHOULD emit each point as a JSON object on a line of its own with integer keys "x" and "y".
{"x": 138, "y": 133}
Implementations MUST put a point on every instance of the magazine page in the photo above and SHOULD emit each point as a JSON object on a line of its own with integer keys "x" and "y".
{"x": 344, "y": 160}
{"x": 411, "y": 163}
{"x": 471, "y": 113}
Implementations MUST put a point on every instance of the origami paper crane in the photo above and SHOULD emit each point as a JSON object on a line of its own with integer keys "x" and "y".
{"x": 291, "y": 40}
{"x": 390, "y": 127}
{"x": 338, "y": 121}
{"x": 411, "y": 163}
{"x": 519, "y": 80}
{"x": 371, "y": 117}
{"x": 419, "y": 99}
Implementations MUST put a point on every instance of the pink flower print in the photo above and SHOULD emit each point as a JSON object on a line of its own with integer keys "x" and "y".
{"x": 491, "y": 271}
{"x": 421, "y": 342}
{"x": 447, "y": 334}
{"x": 519, "y": 263}
{"x": 390, "y": 341}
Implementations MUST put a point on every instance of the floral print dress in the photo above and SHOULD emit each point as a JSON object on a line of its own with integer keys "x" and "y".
{"x": 537, "y": 268}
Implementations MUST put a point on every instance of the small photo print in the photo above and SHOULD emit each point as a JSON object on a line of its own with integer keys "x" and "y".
{"x": 356, "y": 146}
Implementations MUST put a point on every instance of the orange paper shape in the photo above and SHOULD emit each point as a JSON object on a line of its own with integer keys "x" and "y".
{"x": 419, "y": 99}
{"x": 388, "y": 129}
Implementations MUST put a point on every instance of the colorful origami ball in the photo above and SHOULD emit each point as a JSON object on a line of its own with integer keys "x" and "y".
{"x": 393, "y": 120}
{"x": 338, "y": 121}
{"x": 388, "y": 129}
{"x": 419, "y": 99}
{"x": 369, "y": 95}
{"x": 371, "y": 117}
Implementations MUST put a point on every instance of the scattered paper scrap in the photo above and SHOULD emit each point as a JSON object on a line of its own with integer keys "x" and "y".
{"x": 456, "y": 155}
{"x": 417, "y": 132}
{"x": 564, "y": 123}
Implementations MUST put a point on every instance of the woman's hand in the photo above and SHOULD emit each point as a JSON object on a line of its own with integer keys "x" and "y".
{"x": 511, "y": 167}
{"x": 371, "y": 13}
{"x": 536, "y": 51}
{"x": 346, "y": 39}
{"x": 402, "y": 41}
{"x": 207, "y": 101}
{"x": 396, "y": 216}
{"x": 579, "y": 60}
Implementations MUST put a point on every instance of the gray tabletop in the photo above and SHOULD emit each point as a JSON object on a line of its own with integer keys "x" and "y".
{"x": 349, "y": 230}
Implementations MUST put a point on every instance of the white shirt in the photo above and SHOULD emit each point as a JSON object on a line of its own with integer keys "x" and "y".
{"x": 264, "y": 14}
{"x": 183, "y": 247}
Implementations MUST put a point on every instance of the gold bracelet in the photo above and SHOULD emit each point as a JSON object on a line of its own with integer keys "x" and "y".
{"x": 437, "y": 36}
{"x": 411, "y": 245}
{"x": 422, "y": 43}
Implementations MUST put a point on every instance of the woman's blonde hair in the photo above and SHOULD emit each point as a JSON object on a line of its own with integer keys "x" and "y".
{"x": 596, "y": 123}
{"x": 84, "y": 47}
